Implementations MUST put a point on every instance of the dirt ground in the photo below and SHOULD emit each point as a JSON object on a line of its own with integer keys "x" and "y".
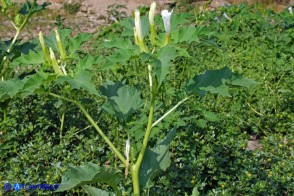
{"x": 90, "y": 16}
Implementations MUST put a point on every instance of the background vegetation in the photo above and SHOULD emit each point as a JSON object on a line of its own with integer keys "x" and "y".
{"x": 209, "y": 153}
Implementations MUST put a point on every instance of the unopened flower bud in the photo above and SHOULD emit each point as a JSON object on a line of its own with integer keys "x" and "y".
{"x": 55, "y": 66}
{"x": 138, "y": 31}
{"x": 151, "y": 21}
{"x": 166, "y": 16}
{"x": 44, "y": 49}
{"x": 60, "y": 46}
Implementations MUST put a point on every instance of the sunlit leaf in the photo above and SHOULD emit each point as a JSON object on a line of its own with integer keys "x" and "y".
{"x": 81, "y": 81}
{"x": 123, "y": 99}
{"x": 217, "y": 82}
{"x": 165, "y": 56}
{"x": 95, "y": 191}
{"x": 32, "y": 58}
{"x": 120, "y": 56}
{"x": 77, "y": 176}
{"x": 155, "y": 160}
{"x": 33, "y": 83}
{"x": 10, "y": 88}
{"x": 75, "y": 43}
{"x": 210, "y": 116}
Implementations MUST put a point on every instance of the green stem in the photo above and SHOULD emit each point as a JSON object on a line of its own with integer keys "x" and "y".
{"x": 61, "y": 127}
{"x": 152, "y": 34}
{"x": 90, "y": 119}
{"x": 5, "y": 118}
{"x": 136, "y": 167}
{"x": 18, "y": 30}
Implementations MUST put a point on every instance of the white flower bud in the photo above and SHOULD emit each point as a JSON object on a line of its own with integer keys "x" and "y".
{"x": 152, "y": 13}
{"x": 290, "y": 10}
{"x": 166, "y": 15}
{"x": 138, "y": 25}
{"x": 226, "y": 16}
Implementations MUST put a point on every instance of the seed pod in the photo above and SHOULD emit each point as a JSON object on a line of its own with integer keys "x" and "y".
{"x": 3, "y": 5}
{"x": 18, "y": 20}
{"x": 133, "y": 153}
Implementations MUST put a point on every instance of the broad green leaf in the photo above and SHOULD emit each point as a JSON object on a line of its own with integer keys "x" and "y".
{"x": 201, "y": 123}
{"x": 118, "y": 43}
{"x": 77, "y": 176}
{"x": 50, "y": 41}
{"x": 33, "y": 83}
{"x": 10, "y": 88}
{"x": 165, "y": 55}
{"x": 187, "y": 34}
{"x": 210, "y": 116}
{"x": 181, "y": 19}
{"x": 32, "y": 58}
{"x": 28, "y": 5}
{"x": 123, "y": 99}
{"x": 217, "y": 82}
{"x": 120, "y": 56}
{"x": 155, "y": 160}
{"x": 75, "y": 43}
{"x": 25, "y": 48}
{"x": 95, "y": 191}
{"x": 129, "y": 25}
{"x": 238, "y": 80}
{"x": 85, "y": 64}
{"x": 81, "y": 81}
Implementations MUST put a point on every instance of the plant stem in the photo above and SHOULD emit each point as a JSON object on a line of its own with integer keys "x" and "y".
{"x": 61, "y": 127}
{"x": 135, "y": 169}
{"x": 90, "y": 119}
{"x": 18, "y": 30}
{"x": 5, "y": 118}
{"x": 171, "y": 110}
{"x": 152, "y": 34}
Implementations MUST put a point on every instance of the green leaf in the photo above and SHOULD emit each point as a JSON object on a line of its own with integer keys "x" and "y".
{"x": 187, "y": 34}
{"x": 32, "y": 58}
{"x": 120, "y": 56}
{"x": 210, "y": 116}
{"x": 155, "y": 160}
{"x": 75, "y": 43}
{"x": 129, "y": 25}
{"x": 201, "y": 123}
{"x": 85, "y": 64}
{"x": 165, "y": 55}
{"x": 33, "y": 83}
{"x": 180, "y": 19}
{"x": 77, "y": 176}
{"x": 95, "y": 191}
{"x": 123, "y": 99}
{"x": 217, "y": 81}
{"x": 50, "y": 41}
{"x": 28, "y": 5}
{"x": 10, "y": 88}
{"x": 238, "y": 80}
{"x": 81, "y": 81}
{"x": 118, "y": 43}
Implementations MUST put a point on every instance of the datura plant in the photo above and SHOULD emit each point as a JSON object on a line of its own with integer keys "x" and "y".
{"x": 59, "y": 69}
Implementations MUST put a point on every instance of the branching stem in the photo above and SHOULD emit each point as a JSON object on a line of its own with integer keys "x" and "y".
{"x": 90, "y": 119}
